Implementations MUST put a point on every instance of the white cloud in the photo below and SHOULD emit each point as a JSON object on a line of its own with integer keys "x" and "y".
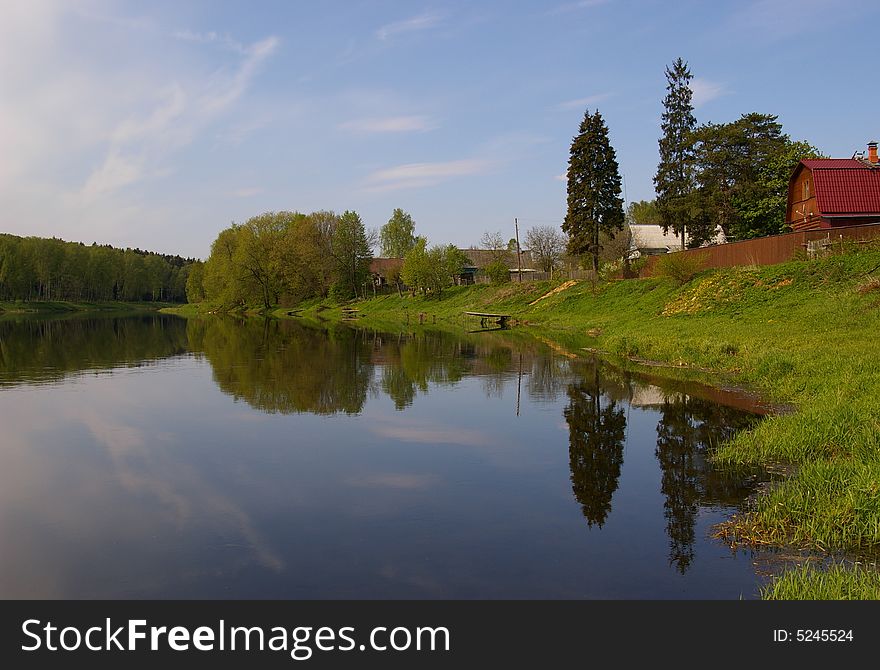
{"x": 139, "y": 146}
{"x": 210, "y": 37}
{"x": 562, "y": 177}
{"x": 416, "y": 23}
{"x": 582, "y": 103}
{"x": 85, "y": 133}
{"x": 704, "y": 91}
{"x": 390, "y": 124}
{"x": 419, "y": 175}
{"x": 225, "y": 90}
{"x": 117, "y": 171}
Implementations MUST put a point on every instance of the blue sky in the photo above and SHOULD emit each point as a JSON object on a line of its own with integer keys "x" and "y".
{"x": 158, "y": 124}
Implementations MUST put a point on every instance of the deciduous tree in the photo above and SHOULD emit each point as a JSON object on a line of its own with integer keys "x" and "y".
{"x": 547, "y": 244}
{"x": 397, "y": 236}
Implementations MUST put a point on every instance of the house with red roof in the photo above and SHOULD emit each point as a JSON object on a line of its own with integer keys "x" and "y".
{"x": 834, "y": 192}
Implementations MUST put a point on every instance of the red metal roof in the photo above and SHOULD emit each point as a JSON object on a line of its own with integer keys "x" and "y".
{"x": 847, "y": 187}
{"x": 833, "y": 163}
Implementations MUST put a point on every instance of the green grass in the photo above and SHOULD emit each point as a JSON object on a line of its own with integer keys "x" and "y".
{"x": 834, "y": 583}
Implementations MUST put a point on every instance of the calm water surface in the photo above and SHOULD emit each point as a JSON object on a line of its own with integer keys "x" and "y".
{"x": 153, "y": 457}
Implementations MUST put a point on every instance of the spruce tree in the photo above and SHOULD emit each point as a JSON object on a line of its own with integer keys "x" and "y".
{"x": 594, "y": 202}
{"x": 674, "y": 182}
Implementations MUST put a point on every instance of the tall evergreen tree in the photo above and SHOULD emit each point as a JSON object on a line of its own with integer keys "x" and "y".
{"x": 674, "y": 182}
{"x": 594, "y": 202}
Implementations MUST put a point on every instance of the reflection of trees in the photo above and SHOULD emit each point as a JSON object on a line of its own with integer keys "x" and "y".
{"x": 548, "y": 377}
{"x": 280, "y": 366}
{"x": 40, "y": 350}
{"x": 688, "y": 427}
{"x": 412, "y": 364}
{"x": 596, "y": 436}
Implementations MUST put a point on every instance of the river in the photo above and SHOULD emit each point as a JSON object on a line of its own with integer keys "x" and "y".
{"x": 155, "y": 457}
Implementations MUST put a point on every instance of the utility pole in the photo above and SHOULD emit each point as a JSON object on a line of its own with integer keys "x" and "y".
{"x": 518, "y": 250}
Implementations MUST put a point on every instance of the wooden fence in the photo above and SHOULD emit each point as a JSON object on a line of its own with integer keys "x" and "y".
{"x": 774, "y": 249}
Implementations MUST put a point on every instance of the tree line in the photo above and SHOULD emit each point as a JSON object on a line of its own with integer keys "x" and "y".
{"x": 36, "y": 268}
{"x": 283, "y": 258}
{"x": 728, "y": 177}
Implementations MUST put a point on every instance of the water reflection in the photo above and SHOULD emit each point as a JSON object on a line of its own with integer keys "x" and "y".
{"x": 426, "y": 464}
{"x": 597, "y": 430}
{"x": 687, "y": 429}
{"x": 39, "y": 350}
{"x": 280, "y": 367}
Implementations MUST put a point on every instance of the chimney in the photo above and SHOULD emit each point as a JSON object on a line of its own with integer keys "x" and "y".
{"x": 872, "y": 152}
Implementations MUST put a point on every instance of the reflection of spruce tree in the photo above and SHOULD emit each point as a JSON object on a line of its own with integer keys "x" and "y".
{"x": 676, "y": 441}
{"x": 688, "y": 428}
{"x": 596, "y": 436}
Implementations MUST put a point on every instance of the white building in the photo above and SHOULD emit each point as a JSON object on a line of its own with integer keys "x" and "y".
{"x": 650, "y": 240}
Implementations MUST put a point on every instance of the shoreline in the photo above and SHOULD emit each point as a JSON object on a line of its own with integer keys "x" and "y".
{"x": 801, "y": 335}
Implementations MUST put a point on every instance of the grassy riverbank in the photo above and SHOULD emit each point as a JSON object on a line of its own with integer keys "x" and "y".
{"x": 802, "y": 333}
{"x": 60, "y": 307}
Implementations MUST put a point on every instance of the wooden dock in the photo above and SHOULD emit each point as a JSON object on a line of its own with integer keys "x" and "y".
{"x": 500, "y": 319}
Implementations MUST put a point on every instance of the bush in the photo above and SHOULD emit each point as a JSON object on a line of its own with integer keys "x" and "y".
{"x": 340, "y": 292}
{"x": 497, "y": 272}
{"x": 680, "y": 266}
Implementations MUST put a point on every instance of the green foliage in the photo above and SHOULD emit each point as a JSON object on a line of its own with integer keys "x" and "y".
{"x": 341, "y": 292}
{"x": 642, "y": 213}
{"x": 743, "y": 169}
{"x": 432, "y": 270}
{"x": 674, "y": 181}
{"x": 286, "y": 257}
{"x": 351, "y": 250}
{"x": 195, "y": 289}
{"x": 415, "y": 271}
{"x": 33, "y": 268}
{"x": 454, "y": 262}
{"x": 498, "y": 272}
{"x": 397, "y": 236}
{"x": 681, "y": 267}
{"x": 594, "y": 202}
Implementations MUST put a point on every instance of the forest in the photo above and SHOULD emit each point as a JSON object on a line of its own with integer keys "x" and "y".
{"x": 35, "y": 268}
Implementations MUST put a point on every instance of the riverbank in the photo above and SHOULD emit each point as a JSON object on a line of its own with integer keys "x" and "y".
{"x": 59, "y": 307}
{"x": 801, "y": 333}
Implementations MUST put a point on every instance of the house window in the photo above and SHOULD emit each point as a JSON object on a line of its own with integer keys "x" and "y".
{"x": 806, "y": 189}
